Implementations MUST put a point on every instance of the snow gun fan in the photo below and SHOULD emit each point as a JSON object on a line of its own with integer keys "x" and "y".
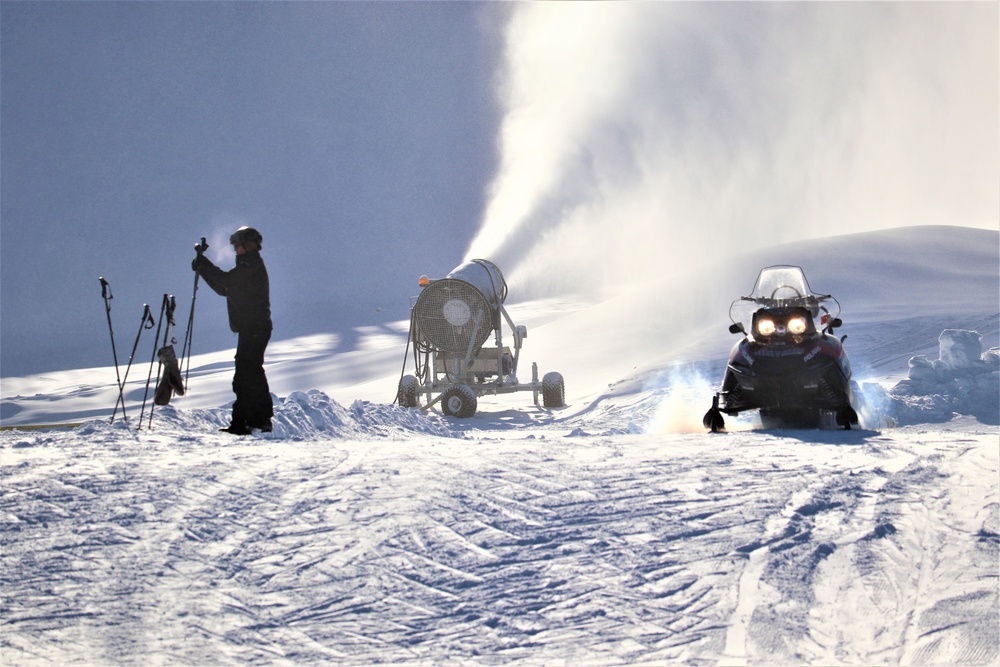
{"x": 450, "y": 325}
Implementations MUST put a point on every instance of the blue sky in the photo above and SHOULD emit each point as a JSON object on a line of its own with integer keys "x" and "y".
{"x": 359, "y": 138}
{"x": 574, "y": 144}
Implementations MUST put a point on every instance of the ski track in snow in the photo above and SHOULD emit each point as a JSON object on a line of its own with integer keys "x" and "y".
{"x": 469, "y": 545}
{"x": 612, "y": 532}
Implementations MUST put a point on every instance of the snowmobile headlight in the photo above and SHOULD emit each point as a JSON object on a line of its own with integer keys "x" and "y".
{"x": 765, "y": 327}
{"x": 797, "y": 325}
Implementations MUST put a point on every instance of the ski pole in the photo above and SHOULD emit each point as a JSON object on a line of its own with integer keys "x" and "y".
{"x": 189, "y": 334}
{"x": 156, "y": 341}
{"x": 146, "y": 323}
{"x": 107, "y": 296}
{"x": 170, "y": 304}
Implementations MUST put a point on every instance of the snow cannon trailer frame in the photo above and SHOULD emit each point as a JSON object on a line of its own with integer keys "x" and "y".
{"x": 450, "y": 323}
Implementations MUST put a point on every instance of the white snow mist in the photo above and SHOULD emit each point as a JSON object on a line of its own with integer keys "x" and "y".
{"x": 640, "y": 138}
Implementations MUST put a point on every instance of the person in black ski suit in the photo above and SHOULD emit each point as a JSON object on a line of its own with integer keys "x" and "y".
{"x": 248, "y": 299}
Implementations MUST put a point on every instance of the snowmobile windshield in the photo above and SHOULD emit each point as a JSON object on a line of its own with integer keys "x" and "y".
{"x": 781, "y": 283}
{"x": 783, "y": 287}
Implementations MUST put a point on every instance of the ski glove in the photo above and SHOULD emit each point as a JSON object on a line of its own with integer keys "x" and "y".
{"x": 171, "y": 382}
{"x": 199, "y": 261}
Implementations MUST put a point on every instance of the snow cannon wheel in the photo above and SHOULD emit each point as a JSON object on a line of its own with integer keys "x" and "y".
{"x": 406, "y": 395}
{"x": 553, "y": 390}
{"x": 459, "y": 401}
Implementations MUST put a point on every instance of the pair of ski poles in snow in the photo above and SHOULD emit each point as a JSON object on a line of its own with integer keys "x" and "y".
{"x": 146, "y": 323}
{"x": 166, "y": 310}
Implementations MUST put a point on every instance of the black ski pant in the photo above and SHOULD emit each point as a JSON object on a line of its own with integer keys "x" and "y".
{"x": 253, "y": 407}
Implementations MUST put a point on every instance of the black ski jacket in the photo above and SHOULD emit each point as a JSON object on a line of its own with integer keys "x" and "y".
{"x": 246, "y": 288}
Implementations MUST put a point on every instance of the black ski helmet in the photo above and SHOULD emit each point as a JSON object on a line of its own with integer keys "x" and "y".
{"x": 244, "y": 234}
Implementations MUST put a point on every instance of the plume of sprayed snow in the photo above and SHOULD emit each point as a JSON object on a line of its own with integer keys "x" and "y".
{"x": 963, "y": 380}
{"x": 684, "y": 394}
{"x": 875, "y": 407}
{"x": 641, "y": 137}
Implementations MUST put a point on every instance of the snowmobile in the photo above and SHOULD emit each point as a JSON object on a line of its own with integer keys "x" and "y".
{"x": 789, "y": 365}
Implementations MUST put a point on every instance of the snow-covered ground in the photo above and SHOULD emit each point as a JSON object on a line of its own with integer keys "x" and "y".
{"x": 611, "y": 531}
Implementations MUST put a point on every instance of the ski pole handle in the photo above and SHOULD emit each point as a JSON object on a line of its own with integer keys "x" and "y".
{"x": 201, "y": 247}
{"x": 169, "y": 304}
{"x": 105, "y": 289}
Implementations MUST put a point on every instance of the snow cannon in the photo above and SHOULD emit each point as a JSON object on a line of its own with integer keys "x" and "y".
{"x": 451, "y": 323}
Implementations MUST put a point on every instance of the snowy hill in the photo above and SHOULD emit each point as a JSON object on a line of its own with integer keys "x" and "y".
{"x": 899, "y": 289}
{"x": 612, "y": 531}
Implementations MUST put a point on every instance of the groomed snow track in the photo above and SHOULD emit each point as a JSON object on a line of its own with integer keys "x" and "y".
{"x": 539, "y": 546}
